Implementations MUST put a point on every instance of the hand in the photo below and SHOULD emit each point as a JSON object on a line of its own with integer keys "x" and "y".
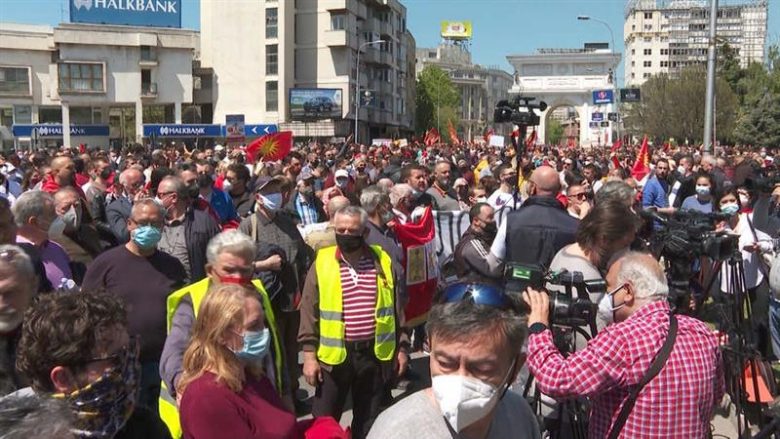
{"x": 140, "y": 195}
{"x": 540, "y": 306}
{"x": 311, "y": 369}
{"x": 402, "y": 363}
{"x": 584, "y": 209}
{"x": 752, "y": 248}
{"x": 272, "y": 263}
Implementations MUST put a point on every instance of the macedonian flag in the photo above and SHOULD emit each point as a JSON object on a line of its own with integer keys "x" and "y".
{"x": 271, "y": 147}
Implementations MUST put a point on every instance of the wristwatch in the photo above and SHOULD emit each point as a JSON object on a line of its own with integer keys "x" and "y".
{"x": 537, "y": 328}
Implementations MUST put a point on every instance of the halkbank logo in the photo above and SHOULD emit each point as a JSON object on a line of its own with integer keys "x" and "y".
{"x": 160, "y": 13}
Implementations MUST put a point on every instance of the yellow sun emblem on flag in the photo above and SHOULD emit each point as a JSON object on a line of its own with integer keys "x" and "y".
{"x": 269, "y": 148}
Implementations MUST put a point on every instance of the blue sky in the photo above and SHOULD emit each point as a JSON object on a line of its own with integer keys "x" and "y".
{"x": 501, "y": 27}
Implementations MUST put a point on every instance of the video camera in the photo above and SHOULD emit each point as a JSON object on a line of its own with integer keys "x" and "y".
{"x": 519, "y": 111}
{"x": 690, "y": 234}
{"x": 566, "y": 309}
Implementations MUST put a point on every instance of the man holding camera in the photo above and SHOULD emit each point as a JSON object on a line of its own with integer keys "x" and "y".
{"x": 674, "y": 360}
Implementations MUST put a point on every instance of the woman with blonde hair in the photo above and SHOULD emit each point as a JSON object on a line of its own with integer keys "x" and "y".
{"x": 226, "y": 392}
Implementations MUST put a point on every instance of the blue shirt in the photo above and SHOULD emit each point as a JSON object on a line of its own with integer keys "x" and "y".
{"x": 223, "y": 205}
{"x": 654, "y": 194}
{"x": 307, "y": 211}
{"x": 693, "y": 203}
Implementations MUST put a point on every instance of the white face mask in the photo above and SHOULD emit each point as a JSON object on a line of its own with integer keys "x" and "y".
{"x": 72, "y": 219}
{"x": 226, "y": 186}
{"x": 465, "y": 400}
{"x": 272, "y": 202}
{"x": 744, "y": 200}
{"x": 681, "y": 170}
{"x": 607, "y": 306}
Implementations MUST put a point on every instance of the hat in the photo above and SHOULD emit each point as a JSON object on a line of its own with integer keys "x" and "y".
{"x": 305, "y": 174}
{"x": 219, "y": 148}
{"x": 341, "y": 173}
{"x": 262, "y": 182}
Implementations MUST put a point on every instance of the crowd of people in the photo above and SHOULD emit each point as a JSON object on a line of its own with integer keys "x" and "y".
{"x": 163, "y": 291}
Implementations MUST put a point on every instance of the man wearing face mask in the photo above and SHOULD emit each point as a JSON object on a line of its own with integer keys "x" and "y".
{"x": 74, "y": 232}
{"x": 350, "y": 319}
{"x": 34, "y": 214}
{"x": 237, "y": 185}
{"x": 472, "y": 249}
{"x": 94, "y": 371}
{"x": 230, "y": 257}
{"x": 18, "y": 284}
{"x": 610, "y": 370}
{"x": 444, "y": 197}
{"x": 476, "y": 334}
{"x": 131, "y": 190}
{"x": 344, "y": 186}
{"x": 505, "y": 194}
{"x": 304, "y": 204}
{"x": 142, "y": 277}
{"x": 376, "y": 202}
{"x": 219, "y": 200}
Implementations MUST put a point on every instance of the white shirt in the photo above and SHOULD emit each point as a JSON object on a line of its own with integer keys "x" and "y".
{"x": 499, "y": 199}
{"x": 753, "y": 271}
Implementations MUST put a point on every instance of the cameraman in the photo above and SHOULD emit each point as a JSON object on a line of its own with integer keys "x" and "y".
{"x": 677, "y": 403}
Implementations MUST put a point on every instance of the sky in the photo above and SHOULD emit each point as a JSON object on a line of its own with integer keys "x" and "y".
{"x": 501, "y": 27}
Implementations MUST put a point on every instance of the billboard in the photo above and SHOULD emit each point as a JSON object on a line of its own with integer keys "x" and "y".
{"x": 156, "y": 13}
{"x": 630, "y": 95}
{"x": 603, "y": 97}
{"x": 234, "y": 126}
{"x": 315, "y": 103}
{"x": 456, "y": 29}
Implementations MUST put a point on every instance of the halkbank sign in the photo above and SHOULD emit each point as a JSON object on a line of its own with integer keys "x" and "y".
{"x": 157, "y": 13}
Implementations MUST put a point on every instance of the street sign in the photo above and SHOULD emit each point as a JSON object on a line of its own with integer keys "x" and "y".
{"x": 602, "y": 97}
{"x": 55, "y": 130}
{"x": 182, "y": 130}
{"x": 597, "y": 117}
{"x": 612, "y": 117}
{"x": 234, "y": 127}
{"x": 593, "y": 125}
{"x": 605, "y": 124}
{"x": 260, "y": 130}
{"x": 630, "y": 95}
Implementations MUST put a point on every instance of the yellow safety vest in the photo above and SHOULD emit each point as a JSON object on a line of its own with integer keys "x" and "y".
{"x": 332, "y": 349}
{"x": 169, "y": 412}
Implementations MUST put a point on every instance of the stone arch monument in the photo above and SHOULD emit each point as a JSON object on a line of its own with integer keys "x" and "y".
{"x": 568, "y": 77}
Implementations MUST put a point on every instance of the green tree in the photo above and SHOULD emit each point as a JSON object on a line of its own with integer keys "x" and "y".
{"x": 437, "y": 100}
{"x": 554, "y": 132}
{"x": 760, "y": 125}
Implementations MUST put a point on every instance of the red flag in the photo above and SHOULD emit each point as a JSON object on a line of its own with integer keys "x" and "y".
{"x": 453, "y": 134}
{"x": 516, "y": 134}
{"x": 432, "y": 137}
{"x": 488, "y": 133}
{"x": 616, "y": 145}
{"x": 615, "y": 162}
{"x": 667, "y": 145}
{"x": 531, "y": 141}
{"x": 421, "y": 261}
{"x": 642, "y": 165}
{"x": 271, "y": 147}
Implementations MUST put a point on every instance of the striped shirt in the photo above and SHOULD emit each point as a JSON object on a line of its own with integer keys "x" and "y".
{"x": 358, "y": 285}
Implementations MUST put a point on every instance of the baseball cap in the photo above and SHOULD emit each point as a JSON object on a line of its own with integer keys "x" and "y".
{"x": 262, "y": 182}
{"x": 341, "y": 173}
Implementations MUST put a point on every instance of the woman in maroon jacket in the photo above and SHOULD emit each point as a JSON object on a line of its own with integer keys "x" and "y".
{"x": 226, "y": 390}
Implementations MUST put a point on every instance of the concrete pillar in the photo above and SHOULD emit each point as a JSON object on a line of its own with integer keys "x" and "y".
{"x": 584, "y": 123}
{"x": 66, "y": 124}
{"x": 139, "y": 121}
{"x": 177, "y": 112}
{"x": 104, "y": 114}
{"x": 34, "y": 114}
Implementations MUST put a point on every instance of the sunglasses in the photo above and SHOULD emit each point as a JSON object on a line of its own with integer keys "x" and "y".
{"x": 478, "y": 294}
{"x": 117, "y": 358}
{"x": 580, "y": 196}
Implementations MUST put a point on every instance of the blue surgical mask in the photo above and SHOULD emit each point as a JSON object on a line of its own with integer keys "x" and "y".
{"x": 272, "y": 202}
{"x": 255, "y": 346}
{"x": 729, "y": 209}
{"x": 146, "y": 237}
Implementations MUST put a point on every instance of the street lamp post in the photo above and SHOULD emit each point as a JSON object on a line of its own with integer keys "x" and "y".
{"x": 614, "y": 67}
{"x": 357, "y": 82}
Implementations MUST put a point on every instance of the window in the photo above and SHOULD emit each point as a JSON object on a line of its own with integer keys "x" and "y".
{"x": 14, "y": 80}
{"x": 338, "y": 21}
{"x": 147, "y": 54}
{"x": 648, "y": 51}
{"x": 271, "y": 23}
{"x": 81, "y": 77}
{"x": 648, "y": 39}
{"x": 664, "y": 51}
{"x": 647, "y": 64}
{"x": 272, "y": 59}
{"x": 633, "y": 51}
{"x": 646, "y": 75}
{"x": 664, "y": 63}
{"x": 648, "y": 15}
{"x": 272, "y": 96}
{"x": 633, "y": 63}
{"x": 633, "y": 75}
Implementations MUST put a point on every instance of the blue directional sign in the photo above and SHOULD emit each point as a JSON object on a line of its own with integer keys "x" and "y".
{"x": 183, "y": 130}
{"x": 55, "y": 130}
{"x": 260, "y": 130}
{"x": 603, "y": 97}
{"x": 597, "y": 117}
{"x": 158, "y": 13}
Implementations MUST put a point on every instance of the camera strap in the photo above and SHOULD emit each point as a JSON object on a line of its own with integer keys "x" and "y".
{"x": 655, "y": 368}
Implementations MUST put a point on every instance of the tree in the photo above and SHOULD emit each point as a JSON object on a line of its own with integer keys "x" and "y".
{"x": 554, "y": 132}
{"x": 760, "y": 125}
{"x": 437, "y": 100}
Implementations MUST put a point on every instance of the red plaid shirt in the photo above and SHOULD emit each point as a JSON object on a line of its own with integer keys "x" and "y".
{"x": 677, "y": 403}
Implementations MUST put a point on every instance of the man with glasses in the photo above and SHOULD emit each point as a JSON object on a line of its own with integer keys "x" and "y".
{"x": 142, "y": 277}
{"x": 578, "y": 201}
{"x": 476, "y": 334}
{"x": 94, "y": 370}
{"x": 130, "y": 190}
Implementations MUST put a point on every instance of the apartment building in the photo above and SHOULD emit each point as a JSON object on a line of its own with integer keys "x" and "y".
{"x": 665, "y": 36}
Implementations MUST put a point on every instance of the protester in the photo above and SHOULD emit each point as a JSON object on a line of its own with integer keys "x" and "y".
{"x": 702, "y": 201}
{"x": 118, "y": 211}
{"x": 618, "y": 358}
{"x": 326, "y": 236}
{"x": 217, "y": 199}
{"x": 306, "y": 207}
{"x": 470, "y": 255}
{"x": 505, "y": 194}
{"x": 476, "y": 335}
{"x": 237, "y": 180}
{"x": 74, "y": 231}
{"x": 444, "y": 197}
{"x": 579, "y": 207}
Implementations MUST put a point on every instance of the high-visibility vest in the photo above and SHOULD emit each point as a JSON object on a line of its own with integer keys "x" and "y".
{"x": 332, "y": 349}
{"x": 168, "y": 410}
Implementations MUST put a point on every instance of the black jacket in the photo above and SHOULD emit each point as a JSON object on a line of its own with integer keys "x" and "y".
{"x": 536, "y": 231}
{"x": 199, "y": 228}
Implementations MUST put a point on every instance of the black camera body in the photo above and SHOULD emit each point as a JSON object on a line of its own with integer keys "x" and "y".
{"x": 519, "y": 111}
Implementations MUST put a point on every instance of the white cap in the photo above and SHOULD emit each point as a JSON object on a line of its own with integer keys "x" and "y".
{"x": 341, "y": 173}
{"x": 219, "y": 148}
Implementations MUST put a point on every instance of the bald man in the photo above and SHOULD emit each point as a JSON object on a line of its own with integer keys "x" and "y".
{"x": 533, "y": 234}
{"x": 326, "y": 236}
{"x": 131, "y": 183}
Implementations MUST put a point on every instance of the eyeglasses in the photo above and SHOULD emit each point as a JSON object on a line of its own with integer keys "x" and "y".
{"x": 116, "y": 358}
{"x": 580, "y": 196}
{"x": 164, "y": 194}
{"x": 478, "y": 294}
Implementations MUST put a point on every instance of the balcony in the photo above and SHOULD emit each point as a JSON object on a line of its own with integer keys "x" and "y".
{"x": 339, "y": 38}
{"x": 370, "y": 55}
{"x": 149, "y": 90}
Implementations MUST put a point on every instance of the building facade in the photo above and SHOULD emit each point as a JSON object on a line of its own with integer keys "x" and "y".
{"x": 480, "y": 88}
{"x": 92, "y": 75}
{"x": 310, "y": 45}
{"x": 665, "y": 36}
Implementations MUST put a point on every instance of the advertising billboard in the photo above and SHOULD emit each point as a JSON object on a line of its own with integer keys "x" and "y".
{"x": 155, "y": 13}
{"x": 630, "y": 95}
{"x": 315, "y": 103}
{"x": 234, "y": 127}
{"x": 603, "y": 97}
{"x": 456, "y": 29}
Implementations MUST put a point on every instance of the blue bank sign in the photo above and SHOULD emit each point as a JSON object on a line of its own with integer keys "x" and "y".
{"x": 184, "y": 130}
{"x": 158, "y": 13}
{"x": 55, "y": 130}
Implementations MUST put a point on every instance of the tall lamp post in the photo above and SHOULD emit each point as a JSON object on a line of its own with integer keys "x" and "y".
{"x": 357, "y": 82}
{"x": 614, "y": 66}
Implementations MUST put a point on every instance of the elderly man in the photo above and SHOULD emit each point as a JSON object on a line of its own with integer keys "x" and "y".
{"x": 230, "y": 257}
{"x": 304, "y": 205}
{"x": 350, "y": 315}
{"x": 130, "y": 190}
{"x": 62, "y": 173}
{"x": 143, "y": 277}
{"x": 18, "y": 284}
{"x": 326, "y": 237}
{"x": 187, "y": 231}
{"x": 476, "y": 334}
{"x": 402, "y": 200}
{"x": 74, "y": 231}
{"x": 34, "y": 214}
{"x": 444, "y": 196}
{"x": 610, "y": 369}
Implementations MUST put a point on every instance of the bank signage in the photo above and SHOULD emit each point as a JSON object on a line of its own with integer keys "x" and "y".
{"x": 55, "y": 130}
{"x": 183, "y": 130}
{"x": 603, "y": 97}
{"x": 155, "y": 13}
